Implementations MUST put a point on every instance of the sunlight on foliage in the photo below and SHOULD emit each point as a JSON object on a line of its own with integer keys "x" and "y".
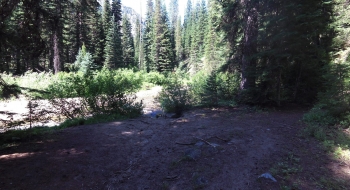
{"x": 174, "y": 97}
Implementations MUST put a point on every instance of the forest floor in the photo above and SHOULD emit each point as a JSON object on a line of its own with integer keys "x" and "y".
{"x": 218, "y": 148}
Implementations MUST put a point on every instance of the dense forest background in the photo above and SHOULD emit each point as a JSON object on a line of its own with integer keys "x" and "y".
{"x": 271, "y": 52}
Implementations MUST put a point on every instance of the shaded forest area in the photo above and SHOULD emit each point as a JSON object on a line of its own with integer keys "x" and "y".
{"x": 279, "y": 51}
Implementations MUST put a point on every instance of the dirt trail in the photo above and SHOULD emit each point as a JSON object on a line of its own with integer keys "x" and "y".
{"x": 223, "y": 148}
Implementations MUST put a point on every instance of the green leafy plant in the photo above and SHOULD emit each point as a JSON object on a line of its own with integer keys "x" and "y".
{"x": 84, "y": 62}
{"x": 174, "y": 97}
{"x": 103, "y": 92}
{"x": 155, "y": 78}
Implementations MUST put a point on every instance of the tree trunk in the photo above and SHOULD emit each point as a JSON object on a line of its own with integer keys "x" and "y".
{"x": 56, "y": 53}
{"x": 57, "y": 37}
{"x": 249, "y": 44}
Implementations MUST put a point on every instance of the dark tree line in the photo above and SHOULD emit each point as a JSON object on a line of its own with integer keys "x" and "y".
{"x": 47, "y": 35}
{"x": 279, "y": 47}
{"x": 282, "y": 50}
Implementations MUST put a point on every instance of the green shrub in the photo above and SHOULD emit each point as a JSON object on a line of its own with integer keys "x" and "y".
{"x": 103, "y": 92}
{"x": 197, "y": 87}
{"x": 174, "y": 97}
{"x": 84, "y": 62}
{"x": 216, "y": 88}
{"x": 228, "y": 85}
{"x": 155, "y": 78}
{"x": 31, "y": 83}
{"x": 319, "y": 116}
{"x": 210, "y": 96}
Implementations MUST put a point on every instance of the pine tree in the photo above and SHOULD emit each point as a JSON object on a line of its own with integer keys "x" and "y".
{"x": 149, "y": 37}
{"x": 178, "y": 40}
{"x": 187, "y": 29}
{"x": 280, "y": 47}
{"x": 194, "y": 34}
{"x": 138, "y": 44}
{"x": 215, "y": 48}
{"x": 106, "y": 17}
{"x": 97, "y": 37}
{"x": 113, "y": 55}
{"x": 173, "y": 16}
{"x": 163, "y": 51}
{"x": 127, "y": 43}
{"x": 70, "y": 41}
{"x": 117, "y": 11}
{"x": 210, "y": 95}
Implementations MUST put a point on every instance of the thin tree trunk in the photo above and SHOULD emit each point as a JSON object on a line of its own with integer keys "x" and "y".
{"x": 56, "y": 53}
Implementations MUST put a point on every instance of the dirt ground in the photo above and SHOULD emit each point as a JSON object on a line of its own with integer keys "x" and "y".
{"x": 221, "y": 148}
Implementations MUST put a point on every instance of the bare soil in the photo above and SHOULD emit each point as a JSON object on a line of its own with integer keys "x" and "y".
{"x": 221, "y": 148}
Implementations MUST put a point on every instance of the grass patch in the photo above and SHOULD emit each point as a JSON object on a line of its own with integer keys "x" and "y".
{"x": 286, "y": 168}
{"x": 335, "y": 139}
{"x": 290, "y": 165}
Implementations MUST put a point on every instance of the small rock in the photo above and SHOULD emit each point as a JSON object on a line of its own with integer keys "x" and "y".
{"x": 199, "y": 144}
{"x": 268, "y": 176}
{"x": 214, "y": 145}
{"x": 193, "y": 154}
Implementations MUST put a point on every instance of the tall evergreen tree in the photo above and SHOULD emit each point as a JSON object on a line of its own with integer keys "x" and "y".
{"x": 127, "y": 43}
{"x": 96, "y": 36}
{"x": 187, "y": 28}
{"x": 113, "y": 50}
{"x": 149, "y": 37}
{"x": 138, "y": 45}
{"x": 178, "y": 40}
{"x": 173, "y": 15}
{"x": 117, "y": 11}
{"x": 57, "y": 37}
{"x": 164, "y": 55}
{"x": 106, "y": 16}
{"x": 215, "y": 48}
{"x": 280, "y": 54}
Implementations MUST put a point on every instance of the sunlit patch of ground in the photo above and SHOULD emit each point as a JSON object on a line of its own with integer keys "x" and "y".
{"x": 17, "y": 155}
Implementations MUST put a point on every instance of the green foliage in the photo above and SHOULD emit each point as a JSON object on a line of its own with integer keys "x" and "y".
{"x": 84, "y": 62}
{"x": 197, "y": 84}
{"x": 288, "y": 166}
{"x": 127, "y": 44}
{"x": 103, "y": 92}
{"x": 228, "y": 85}
{"x": 218, "y": 88}
{"x": 113, "y": 49}
{"x": 155, "y": 78}
{"x": 210, "y": 95}
{"x": 30, "y": 83}
{"x": 174, "y": 96}
{"x": 319, "y": 116}
{"x": 279, "y": 56}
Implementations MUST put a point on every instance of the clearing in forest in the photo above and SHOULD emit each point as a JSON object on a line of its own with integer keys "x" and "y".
{"x": 221, "y": 148}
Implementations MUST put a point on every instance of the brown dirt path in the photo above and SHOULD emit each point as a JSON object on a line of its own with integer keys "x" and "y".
{"x": 223, "y": 148}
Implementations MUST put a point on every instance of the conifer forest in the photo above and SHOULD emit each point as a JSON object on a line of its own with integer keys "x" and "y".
{"x": 277, "y": 51}
{"x": 224, "y": 75}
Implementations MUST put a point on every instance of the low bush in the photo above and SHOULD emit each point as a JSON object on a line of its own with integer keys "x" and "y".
{"x": 214, "y": 89}
{"x": 155, "y": 78}
{"x": 104, "y": 92}
{"x": 175, "y": 97}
